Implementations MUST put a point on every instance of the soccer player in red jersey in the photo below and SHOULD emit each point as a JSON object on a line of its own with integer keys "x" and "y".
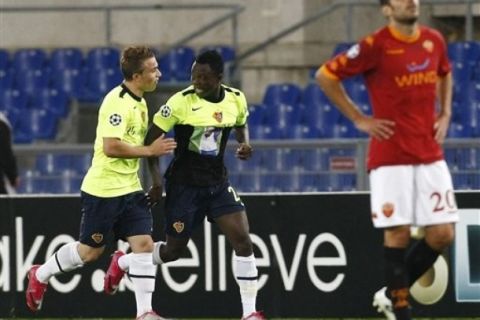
{"x": 406, "y": 70}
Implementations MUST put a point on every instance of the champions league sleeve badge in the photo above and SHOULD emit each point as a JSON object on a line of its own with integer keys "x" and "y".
{"x": 165, "y": 111}
{"x": 115, "y": 119}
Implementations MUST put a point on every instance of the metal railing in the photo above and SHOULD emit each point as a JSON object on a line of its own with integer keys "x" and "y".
{"x": 27, "y": 154}
{"x": 350, "y": 4}
{"x": 232, "y": 14}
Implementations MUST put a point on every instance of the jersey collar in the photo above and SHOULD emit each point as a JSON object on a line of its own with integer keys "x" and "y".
{"x": 402, "y": 37}
{"x": 133, "y": 95}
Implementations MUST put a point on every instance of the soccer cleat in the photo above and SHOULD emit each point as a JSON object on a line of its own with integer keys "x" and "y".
{"x": 150, "y": 315}
{"x": 383, "y": 304}
{"x": 35, "y": 290}
{"x": 257, "y": 315}
{"x": 114, "y": 274}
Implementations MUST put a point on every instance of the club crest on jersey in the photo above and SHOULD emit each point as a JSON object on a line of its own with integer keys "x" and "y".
{"x": 353, "y": 52}
{"x": 165, "y": 111}
{"x": 218, "y": 115}
{"x": 97, "y": 237}
{"x": 115, "y": 119}
{"x": 428, "y": 45}
{"x": 388, "y": 209}
{"x": 178, "y": 226}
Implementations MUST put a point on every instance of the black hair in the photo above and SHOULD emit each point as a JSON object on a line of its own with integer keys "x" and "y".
{"x": 384, "y": 2}
{"x": 213, "y": 59}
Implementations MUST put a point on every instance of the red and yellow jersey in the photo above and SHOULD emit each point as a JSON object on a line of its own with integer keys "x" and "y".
{"x": 401, "y": 74}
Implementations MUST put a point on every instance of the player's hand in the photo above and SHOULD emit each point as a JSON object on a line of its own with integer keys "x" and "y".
{"x": 441, "y": 128}
{"x": 154, "y": 195}
{"x": 380, "y": 129}
{"x": 162, "y": 146}
{"x": 244, "y": 151}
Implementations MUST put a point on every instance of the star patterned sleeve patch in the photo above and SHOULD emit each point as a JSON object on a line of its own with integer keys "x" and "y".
{"x": 115, "y": 119}
{"x": 165, "y": 111}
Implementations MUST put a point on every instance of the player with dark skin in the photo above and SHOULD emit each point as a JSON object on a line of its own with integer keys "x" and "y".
{"x": 202, "y": 116}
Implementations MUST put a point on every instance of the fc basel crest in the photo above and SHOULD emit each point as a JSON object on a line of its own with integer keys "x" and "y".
{"x": 97, "y": 237}
{"x": 218, "y": 115}
{"x": 179, "y": 226}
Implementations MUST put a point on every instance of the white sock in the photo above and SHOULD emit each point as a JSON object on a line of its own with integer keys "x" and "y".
{"x": 246, "y": 274}
{"x": 156, "y": 252}
{"x": 64, "y": 260}
{"x": 142, "y": 272}
{"x": 124, "y": 261}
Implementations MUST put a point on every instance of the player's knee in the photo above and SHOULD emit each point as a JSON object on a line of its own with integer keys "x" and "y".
{"x": 440, "y": 238}
{"x": 171, "y": 253}
{"x": 243, "y": 247}
{"x": 90, "y": 254}
{"x": 143, "y": 244}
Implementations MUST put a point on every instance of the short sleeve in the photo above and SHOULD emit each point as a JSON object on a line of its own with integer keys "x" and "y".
{"x": 242, "y": 110}
{"x": 112, "y": 119}
{"x": 170, "y": 113}
{"x": 444, "y": 67}
{"x": 358, "y": 59}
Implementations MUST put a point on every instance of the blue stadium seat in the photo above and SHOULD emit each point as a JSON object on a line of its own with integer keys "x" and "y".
{"x": 6, "y": 79}
{"x": 280, "y": 160}
{"x": 467, "y": 52}
{"x": 13, "y": 99}
{"x": 176, "y": 64}
{"x": 283, "y": 115}
{"x": 227, "y": 52}
{"x": 99, "y": 82}
{"x": 357, "y": 90}
{"x": 66, "y": 182}
{"x": 52, "y": 164}
{"x": 52, "y": 99}
{"x": 31, "y": 182}
{"x": 301, "y": 131}
{"x": 236, "y": 165}
{"x": 103, "y": 58}
{"x": 29, "y": 59}
{"x": 459, "y": 130}
{"x": 43, "y": 124}
{"x": 256, "y": 115}
{"x": 71, "y": 81}
{"x": 80, "y": 163}
{"x": 263, "y": 132}
{"x": 341, "y": 47}
{"x": 316, "y": 160}
{"x": 32, "y": 81}
{"x": 4, "y": 59}
{"x": 66, "y": 58}
{"x": 282, "y": 93}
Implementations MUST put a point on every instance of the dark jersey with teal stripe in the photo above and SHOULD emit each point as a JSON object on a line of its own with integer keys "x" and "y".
{"x": 201, "y": 130}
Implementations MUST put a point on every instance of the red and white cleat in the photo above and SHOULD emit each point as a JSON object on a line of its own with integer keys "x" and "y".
{"x": 257, "y": 315}
{"x": 151, "y": 315}
{"x": 114, "y": 274}
{"x": 35, "y": 290}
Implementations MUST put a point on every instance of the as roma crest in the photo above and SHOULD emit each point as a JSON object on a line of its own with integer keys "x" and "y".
{"x": 388, "y": 209}
{"x": 178, "y": 226}
{"x": 218, "y": 115}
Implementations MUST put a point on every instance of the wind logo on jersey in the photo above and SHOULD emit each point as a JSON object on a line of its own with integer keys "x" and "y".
{"x": 165, "y": 111}
{"x": 218, "y": 115}
{"x": 97, "y": 237}
{"x": 387, "y": 209}
{"x": 178, "y": 226}
{"x": 416, "y": 79}
{"x": 428, "y": 45}
{"x": 115, "y": 119}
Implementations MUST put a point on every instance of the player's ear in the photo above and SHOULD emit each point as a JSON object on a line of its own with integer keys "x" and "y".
{"x": 386, "y": 10}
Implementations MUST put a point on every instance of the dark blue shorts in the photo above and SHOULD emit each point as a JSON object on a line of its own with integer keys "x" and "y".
{"x": 127, "y": 215}
{"x": 187, "y": 206}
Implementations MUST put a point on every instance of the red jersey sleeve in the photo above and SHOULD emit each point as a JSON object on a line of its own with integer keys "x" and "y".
{"x": 444, "y": 66}
{"x": 358, "y": 59}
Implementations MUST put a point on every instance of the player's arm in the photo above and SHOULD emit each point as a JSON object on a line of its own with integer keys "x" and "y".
{"x": 244, "y": 150}
{"x": 115, "y": 148}
{"x": 444, "y": 89}
{"x": 333, "y": 88}
{"x": 7, "y": 160}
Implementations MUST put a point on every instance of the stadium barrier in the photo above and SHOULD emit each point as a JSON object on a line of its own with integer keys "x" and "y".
{"x": 317, "y": 254}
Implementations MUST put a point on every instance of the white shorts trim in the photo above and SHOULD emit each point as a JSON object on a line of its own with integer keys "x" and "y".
{"x": 419, "y": 195}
